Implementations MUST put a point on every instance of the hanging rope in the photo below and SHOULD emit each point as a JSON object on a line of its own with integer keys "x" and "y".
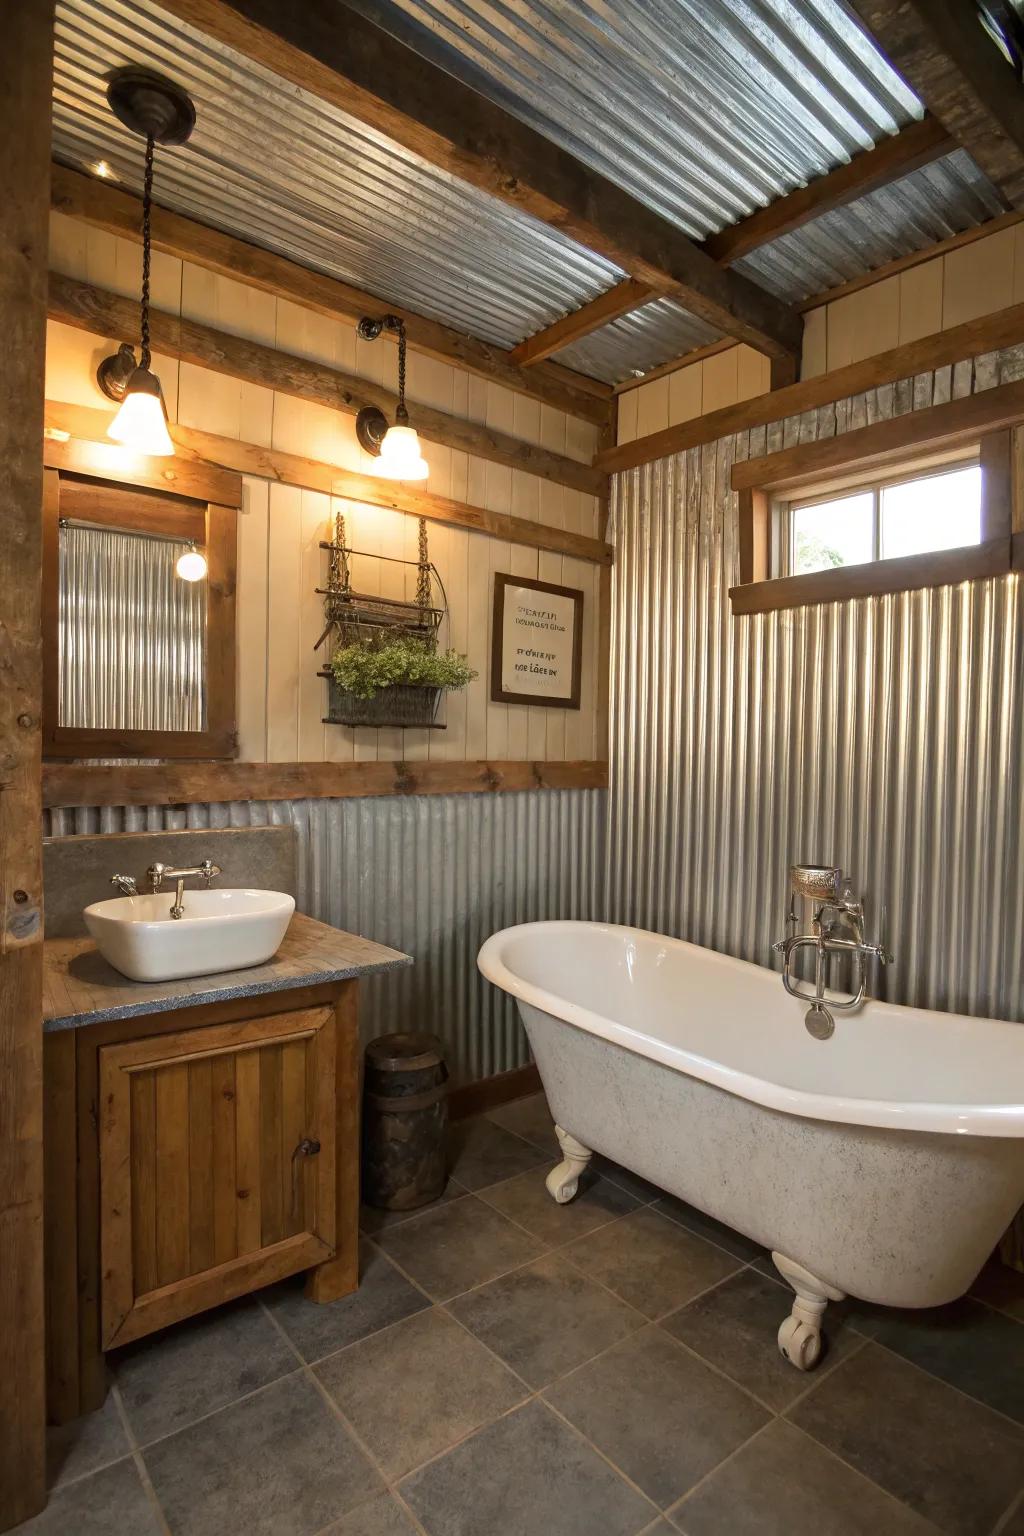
{"x": 423, "y": 591}
{"x": 147, "y": 213}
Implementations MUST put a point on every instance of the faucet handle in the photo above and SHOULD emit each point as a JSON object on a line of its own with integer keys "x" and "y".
{"x": 155, "y": 875}
{"x": 208, "y": 870}
{"x": 125, "y": 884}
{"x": 779, "y": 946}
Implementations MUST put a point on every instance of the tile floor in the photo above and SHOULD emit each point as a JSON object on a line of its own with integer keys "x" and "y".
{"x": 513, "y": 1368}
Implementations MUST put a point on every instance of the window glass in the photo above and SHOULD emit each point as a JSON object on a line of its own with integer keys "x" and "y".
{"x": 831, "y": 533}
{"x": 935, "y": 512}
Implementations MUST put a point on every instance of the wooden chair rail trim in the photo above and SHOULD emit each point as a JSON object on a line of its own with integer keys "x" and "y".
{"x": 941, "y": 568}
{"x": 110, "y": 315}
{"x": 67, "y": 785}
{"x": 204, "y": 451}
{"x": 975, "y": 337}
{"x": 949, "y": 425}
{"x": 119, "y": 212}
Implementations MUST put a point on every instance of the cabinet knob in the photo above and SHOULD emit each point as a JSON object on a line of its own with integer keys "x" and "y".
{"x": 307, "y": 1147}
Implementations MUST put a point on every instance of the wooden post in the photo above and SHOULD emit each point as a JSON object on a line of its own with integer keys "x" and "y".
{"x": 26, "y": 72}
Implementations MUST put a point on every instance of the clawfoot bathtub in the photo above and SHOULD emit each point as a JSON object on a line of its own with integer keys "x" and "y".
{"x": 884, "y": 1163}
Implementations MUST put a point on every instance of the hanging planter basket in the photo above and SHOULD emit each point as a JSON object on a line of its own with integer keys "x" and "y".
{"x": 402, "y": 704}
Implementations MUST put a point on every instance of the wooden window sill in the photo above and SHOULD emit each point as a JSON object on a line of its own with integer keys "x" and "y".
{"x": 995, "y": 557}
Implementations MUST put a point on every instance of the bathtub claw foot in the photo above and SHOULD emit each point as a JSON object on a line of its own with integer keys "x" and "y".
{"x": 564, "y": 1180}
{"x": 800, "y": 1340}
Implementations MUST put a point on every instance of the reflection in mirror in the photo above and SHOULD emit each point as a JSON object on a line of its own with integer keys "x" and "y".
{"x": 132, "y": 633}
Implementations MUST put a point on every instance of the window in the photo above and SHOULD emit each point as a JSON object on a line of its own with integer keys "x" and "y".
{"x": 910, "y": 515}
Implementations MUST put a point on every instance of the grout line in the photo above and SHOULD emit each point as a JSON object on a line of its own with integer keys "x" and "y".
{"x": 978, "y": 1401}
{"x": 685, "y": 1497}
{"x": 604, "y": 1457}
{"x": 1016, "y": 1504}
{"x": 147, "y": 1483}
{"x": 221, "y": 1408}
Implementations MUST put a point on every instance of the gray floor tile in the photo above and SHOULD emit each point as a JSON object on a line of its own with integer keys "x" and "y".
{"x": 966, "y": 1344}
{"x": 546, "y": 1319}
{"x": 706, "y": 1226}
{"x": 318, "y": 1329}
{"x": 531, "y": 1119}
{"x": 86, "y": 1444}
{"x": 461, "y": 1245}
{"x": 175, "y": 1376}
{"x": 382, "y": 1516}
{"x": 1001, "y": 1287}
{"x": 277, "y": 1464}
{"x": 482, "y": 1153}
{"x": 110, "y": 1503}
{"x": 418, "y": 1388}
{"x": 651, "y": 1262}
{"x": 526, "y": 1475}
{"x": 657, "y": 1412}
{"x": 371, "y": 1220}
{"x": 659, "y": 1528}
{"x": 784, "y": 1484}
{"x": 735, "y": 1327}
{"x": 953, "y": 1460}
{"x": 526, "y": 1201}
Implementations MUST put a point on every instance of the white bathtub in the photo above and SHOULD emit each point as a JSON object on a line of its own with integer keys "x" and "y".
{"x": 884, "y": 1163}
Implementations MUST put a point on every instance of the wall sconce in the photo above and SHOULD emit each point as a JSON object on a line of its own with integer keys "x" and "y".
{"x": 191, "y": 566}
{"x": 161, "y": 113}
{"x": 396, "y": 449}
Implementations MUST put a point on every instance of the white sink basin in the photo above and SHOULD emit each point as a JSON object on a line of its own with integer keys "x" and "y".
{"x": 221, "y": 930}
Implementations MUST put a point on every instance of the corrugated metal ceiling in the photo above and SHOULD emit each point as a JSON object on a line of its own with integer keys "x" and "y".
{"x": 273, "y": 164}
{"x": 704, "y": 109}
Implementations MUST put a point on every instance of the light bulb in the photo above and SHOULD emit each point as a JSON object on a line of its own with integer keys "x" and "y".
{"x": 400, "y": 456}
{"x": 191, "y": 565}
{"x": 140, "y": 424}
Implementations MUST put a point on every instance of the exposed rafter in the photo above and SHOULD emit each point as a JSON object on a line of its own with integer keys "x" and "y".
{"x": 119, "y": 212}
{"x": 336, "y": 54}
{"x": 916, "y": 145}
{"x": 944, "y": 54}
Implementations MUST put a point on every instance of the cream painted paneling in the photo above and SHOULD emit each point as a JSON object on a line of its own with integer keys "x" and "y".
{"x": 726, "y": 377}
{"x": 281, "y": 700}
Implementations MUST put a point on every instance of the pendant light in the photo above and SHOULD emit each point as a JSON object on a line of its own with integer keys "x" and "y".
{"x": 396, "y": 449}
{"x": 161, "y": 113}
{"x": 191, "y": 566}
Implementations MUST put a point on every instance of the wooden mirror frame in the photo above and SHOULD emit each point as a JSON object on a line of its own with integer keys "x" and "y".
{"x": 141, "y": 506}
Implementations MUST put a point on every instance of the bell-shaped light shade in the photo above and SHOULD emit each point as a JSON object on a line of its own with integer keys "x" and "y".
{"x": 400, "y": 456}
{"x": 191, "y": 566}
{"x": 141, "y": 424}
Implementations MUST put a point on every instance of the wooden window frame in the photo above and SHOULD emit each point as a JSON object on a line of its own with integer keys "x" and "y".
{"x": 142, "y": 505}
{"x": 987, "y": 422}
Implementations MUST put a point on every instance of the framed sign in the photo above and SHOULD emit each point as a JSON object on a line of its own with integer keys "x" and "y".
{"x": 537, "y": 643}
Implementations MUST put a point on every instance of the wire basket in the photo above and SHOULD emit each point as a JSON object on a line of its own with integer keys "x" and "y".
{"x": 403, "y": 704}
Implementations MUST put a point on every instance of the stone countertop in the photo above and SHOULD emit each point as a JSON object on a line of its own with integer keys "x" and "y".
{"x": 80, "y": 988}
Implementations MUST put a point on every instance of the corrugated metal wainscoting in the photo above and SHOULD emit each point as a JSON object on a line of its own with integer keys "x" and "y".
{"x": 433, "y": 875}
{"x": 883, "y": 733}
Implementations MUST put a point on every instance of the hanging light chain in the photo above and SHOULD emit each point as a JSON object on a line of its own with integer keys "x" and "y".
{"x": 423, "y": 592}
{"x": 401, "y": 414}
{"x": 147, "y": 212}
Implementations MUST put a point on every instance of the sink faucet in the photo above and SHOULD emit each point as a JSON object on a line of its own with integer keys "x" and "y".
{"x": 125, "y": 884}
{"x": 158, "y": 873}
{"x": 836, "y": 928}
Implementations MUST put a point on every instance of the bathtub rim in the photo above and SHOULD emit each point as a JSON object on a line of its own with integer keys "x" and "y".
{"x": 997, "y": 1120}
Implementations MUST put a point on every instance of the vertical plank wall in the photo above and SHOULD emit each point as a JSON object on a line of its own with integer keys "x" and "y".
{"x": 281, "y": 699}
{"x": 975, "y": 279}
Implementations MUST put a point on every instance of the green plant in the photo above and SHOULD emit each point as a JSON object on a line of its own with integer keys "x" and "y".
{"x": 364, "y": 670}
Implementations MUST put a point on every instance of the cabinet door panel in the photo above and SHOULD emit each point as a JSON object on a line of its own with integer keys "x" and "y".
{"x": 210, "y": 1181}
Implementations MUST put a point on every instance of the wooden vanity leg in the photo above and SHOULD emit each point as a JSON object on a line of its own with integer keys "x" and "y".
{"x": 340, "y": 1276}
{"x": 92, "y": 1366}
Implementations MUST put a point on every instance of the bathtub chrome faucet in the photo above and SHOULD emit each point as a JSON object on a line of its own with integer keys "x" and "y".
{"x": 827, "y": 917}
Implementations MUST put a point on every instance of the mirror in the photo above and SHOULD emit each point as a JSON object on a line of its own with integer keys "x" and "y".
{"x": 134, "y": 652}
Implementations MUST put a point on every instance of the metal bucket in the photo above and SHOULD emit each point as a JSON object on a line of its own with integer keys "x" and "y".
{"x": 405, "y": 1120}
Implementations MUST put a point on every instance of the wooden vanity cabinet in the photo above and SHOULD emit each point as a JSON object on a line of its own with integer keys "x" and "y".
{"x": 217, "y": 1152}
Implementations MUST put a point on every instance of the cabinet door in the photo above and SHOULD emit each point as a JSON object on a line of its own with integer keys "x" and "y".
{"x": 217, "y": 1152}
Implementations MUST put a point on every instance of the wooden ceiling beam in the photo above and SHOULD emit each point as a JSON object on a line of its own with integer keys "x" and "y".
{"x": 120, "y": 213}
{"x": 914, "y": 146}
{"x": 339, "y": 56}
{"x": 111, "y": 316}
{"x": 945, "y": 56}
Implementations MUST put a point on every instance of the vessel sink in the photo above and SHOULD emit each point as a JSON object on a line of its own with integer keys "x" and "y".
{"x": 221, "y": 930}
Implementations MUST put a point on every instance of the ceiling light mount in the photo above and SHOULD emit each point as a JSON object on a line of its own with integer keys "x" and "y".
{"x": 150, "y": 105}
{"x": 113, "y": 373}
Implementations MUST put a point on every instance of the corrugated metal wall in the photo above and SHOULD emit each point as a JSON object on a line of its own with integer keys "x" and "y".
{"x": 431, "y": 875}
{"x": 132, "y": 633}
{"x": 884, "y": 734}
